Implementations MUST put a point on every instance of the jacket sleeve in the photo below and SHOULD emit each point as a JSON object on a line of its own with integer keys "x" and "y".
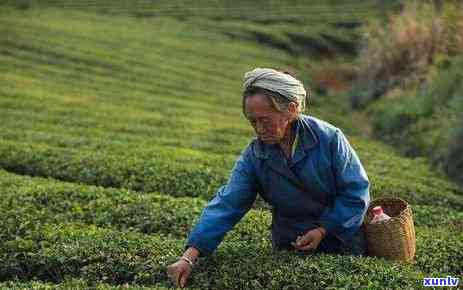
{"x": 230, "y": 203}
{"x": 352, "y": 190}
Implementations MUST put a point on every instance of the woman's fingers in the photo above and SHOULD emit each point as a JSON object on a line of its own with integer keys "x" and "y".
{"x": 309, "y": 241}
{"x": 304, "y": 240}
{"x": 174, "y": 274}
{"x": 309, "y": 246}
{"x": 179, "y": 273}
{"x": 170, "y": 272}
{"x": 183, "y": 279}
{"x": 179, "y": 277}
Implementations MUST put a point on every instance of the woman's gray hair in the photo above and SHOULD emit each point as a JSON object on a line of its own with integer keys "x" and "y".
{"x": 280, "y": 88}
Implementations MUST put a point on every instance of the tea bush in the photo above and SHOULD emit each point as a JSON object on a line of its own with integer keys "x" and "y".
{"x": 145, "y": 172}
{"x": 48, "y": 201}
{"x": 385, "y": 168}
{"x": 45, "y": 238}
{"x": 438, "y": 250}
{"x": 55, "y": 253}
{"x": 71, "y": 284}
{"x": 29, "y": 202}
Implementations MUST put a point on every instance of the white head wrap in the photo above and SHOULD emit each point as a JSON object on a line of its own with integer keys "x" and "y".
{"x": 273, "y": 80}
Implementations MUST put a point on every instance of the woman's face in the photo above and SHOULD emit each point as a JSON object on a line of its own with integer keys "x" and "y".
{"x": 269, "y": 124}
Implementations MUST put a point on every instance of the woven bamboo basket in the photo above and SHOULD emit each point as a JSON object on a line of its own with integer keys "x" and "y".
{"x": 393, "y": 239}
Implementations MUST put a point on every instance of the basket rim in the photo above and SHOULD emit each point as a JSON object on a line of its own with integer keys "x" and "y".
{"x": 402, "y": 213}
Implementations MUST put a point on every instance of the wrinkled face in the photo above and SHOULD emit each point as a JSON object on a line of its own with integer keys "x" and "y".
{"x": 269, "y": 124}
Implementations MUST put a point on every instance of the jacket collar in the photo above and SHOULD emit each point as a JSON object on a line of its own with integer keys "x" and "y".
{"x": 307, "y": 140}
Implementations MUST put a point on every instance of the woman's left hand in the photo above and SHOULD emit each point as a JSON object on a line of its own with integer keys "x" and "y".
{"x": 310, "y": 240}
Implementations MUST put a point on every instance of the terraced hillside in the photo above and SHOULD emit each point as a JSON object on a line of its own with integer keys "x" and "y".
{"x": 116, "y": 128}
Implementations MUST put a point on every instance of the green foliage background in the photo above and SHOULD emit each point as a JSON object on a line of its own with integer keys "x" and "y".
{"x": 119, "y": 122}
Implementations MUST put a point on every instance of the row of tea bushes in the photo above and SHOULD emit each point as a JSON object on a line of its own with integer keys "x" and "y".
{"x": 55, "y": 253}
{"x": 48, "y": 201}
{"x": 71, "y": 284}
{"x": 31, "y": 203}
{"x": 170, "y": 171}
{"x": 200, "y": 127}
{"x": 316, "y": 14}
{"x": 183, "y": 173}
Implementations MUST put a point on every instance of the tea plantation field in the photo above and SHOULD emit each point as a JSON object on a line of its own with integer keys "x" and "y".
{"x": 118, "y": 122}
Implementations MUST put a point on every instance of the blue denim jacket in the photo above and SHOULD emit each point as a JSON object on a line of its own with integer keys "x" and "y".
{"x": 324, "y": 184}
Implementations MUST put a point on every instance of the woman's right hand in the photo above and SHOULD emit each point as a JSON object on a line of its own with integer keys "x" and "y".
{"x": 179, "y": 272}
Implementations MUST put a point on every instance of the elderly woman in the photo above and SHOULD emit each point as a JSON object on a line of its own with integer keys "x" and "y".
{"x": 302, "y": 166}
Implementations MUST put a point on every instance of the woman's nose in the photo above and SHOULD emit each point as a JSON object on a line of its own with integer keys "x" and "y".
{"x": 259, "y": 129}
